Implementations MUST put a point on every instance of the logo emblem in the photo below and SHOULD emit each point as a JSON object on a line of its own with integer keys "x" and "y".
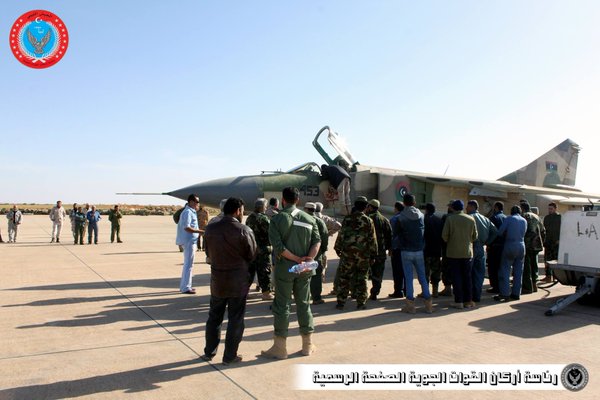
{"x": 38, "y": 39}
{"x": 574, "y": 377}
{"x": 401, "y": 190}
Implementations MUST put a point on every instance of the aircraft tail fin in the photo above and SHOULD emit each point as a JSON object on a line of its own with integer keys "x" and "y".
{"x": 556, "y": 168}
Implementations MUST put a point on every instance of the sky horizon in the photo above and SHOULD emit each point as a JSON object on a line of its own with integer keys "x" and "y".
{"x": 153, "y": 96}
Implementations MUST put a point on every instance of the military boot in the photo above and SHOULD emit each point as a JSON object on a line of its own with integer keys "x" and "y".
{"x": 434, "y": 292}
{"x": 447, "y": 291}
{"x": 278, "y": 350}
{"x": 267, "y": 295}
{"x": 428, "y": 306}
{"x": 409, "y": 307}
{"x": 307, "y": 345}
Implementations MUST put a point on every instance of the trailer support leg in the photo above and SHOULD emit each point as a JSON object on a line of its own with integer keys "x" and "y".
{"x": 586, "y": 287}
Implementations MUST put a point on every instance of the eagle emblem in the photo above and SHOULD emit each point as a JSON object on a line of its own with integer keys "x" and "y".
{"x": 574, "y": 377}
{"x": 38, "y": 45}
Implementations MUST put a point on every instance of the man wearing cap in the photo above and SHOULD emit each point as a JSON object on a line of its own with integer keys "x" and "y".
{"x": 295, "y": 238}
{"x": 486, "y": 233}
{"x": 261, "y": 265}
{"x": 459, "y": 233}
{"x": 332, "y": 224}
{"x": 316, "y": 282}
{"x": 410, "y": 229}
{"x": 383, "y": 233}
{"x": 356, "y": 245}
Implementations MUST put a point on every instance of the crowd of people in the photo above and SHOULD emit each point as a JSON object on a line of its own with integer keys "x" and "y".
{"x": 276, "y": 246}
{"x": 82, "y": 220}
{"x": 455, "y": 249}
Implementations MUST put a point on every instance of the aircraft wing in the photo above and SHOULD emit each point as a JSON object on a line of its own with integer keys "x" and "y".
{"x": 502, "y": 189}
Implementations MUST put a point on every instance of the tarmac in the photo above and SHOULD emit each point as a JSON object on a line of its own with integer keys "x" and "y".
{"x": 107, "y": 321}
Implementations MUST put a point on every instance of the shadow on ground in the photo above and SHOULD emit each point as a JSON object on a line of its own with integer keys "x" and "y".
{"x": 139, "y": 380}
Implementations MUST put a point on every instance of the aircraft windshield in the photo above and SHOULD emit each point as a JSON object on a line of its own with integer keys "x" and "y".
{"x": 339, "y": 144}
{"x": 310, "y": 167}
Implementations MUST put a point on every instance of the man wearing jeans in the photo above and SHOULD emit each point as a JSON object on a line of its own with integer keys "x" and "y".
{"x": 187, "y": 237}
{"x": 231, "y": 247}
{"x": 410, "y": 229}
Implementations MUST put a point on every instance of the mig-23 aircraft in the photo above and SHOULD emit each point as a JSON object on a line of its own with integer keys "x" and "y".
{"x": 551, "y": 177}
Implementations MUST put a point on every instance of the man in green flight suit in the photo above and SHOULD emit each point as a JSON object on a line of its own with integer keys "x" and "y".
{"x": 295, "y": 238}
{"x": 261, "y": 265}
{"x": 356, "y": 245}
{"x": 114, "y": 216}
{"x": 80, "y": 221}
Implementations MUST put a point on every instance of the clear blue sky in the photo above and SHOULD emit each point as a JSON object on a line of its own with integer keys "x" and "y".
{"x": 155, "y": 95}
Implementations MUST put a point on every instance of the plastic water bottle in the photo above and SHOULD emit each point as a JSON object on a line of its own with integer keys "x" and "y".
{"x": 304, "y": 266}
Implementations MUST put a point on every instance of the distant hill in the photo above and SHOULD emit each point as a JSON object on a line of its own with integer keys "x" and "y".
{"x": 126, "y": 209}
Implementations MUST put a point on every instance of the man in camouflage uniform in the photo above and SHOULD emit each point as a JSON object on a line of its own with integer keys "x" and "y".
{"x": 261, "y": 265}
{"x": 295, "y": 238}
{"x": 356, "y": 245}
{"x": 552, "y": 226}
{"x": 534, "y": 239}
{"x": 383, "y": 233}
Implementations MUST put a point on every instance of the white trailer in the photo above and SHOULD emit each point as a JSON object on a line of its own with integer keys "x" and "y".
{"x": 578, "y": 261}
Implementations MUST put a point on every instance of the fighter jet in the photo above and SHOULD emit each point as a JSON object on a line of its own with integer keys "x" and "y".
{"x": 550, "y": 177}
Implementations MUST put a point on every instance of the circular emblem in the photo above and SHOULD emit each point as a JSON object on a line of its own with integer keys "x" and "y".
{"x": 574, "y": 377}
{"x": 38, "y": 39}
{"x": 401, "y": 190}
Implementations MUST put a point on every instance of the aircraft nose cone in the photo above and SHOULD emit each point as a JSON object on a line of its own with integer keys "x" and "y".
{"x": 248, "y": 188}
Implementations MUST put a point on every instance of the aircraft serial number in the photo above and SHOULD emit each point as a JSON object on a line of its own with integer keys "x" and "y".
{"x": 308, "y": 190}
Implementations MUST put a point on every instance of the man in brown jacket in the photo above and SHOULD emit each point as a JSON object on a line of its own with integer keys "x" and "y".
{"x": 231, "y": 246}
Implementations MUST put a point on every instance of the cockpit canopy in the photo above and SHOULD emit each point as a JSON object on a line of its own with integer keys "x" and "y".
{"x": 306, "y": 168}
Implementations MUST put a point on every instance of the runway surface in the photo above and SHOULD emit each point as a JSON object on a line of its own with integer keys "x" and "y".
{"x": 107, "y": 321}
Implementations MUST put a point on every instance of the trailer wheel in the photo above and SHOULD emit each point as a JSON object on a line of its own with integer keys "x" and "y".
{"x": 592, "y": 299}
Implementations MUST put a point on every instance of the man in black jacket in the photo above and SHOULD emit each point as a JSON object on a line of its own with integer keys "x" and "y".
{"x": 231, "y": 246}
